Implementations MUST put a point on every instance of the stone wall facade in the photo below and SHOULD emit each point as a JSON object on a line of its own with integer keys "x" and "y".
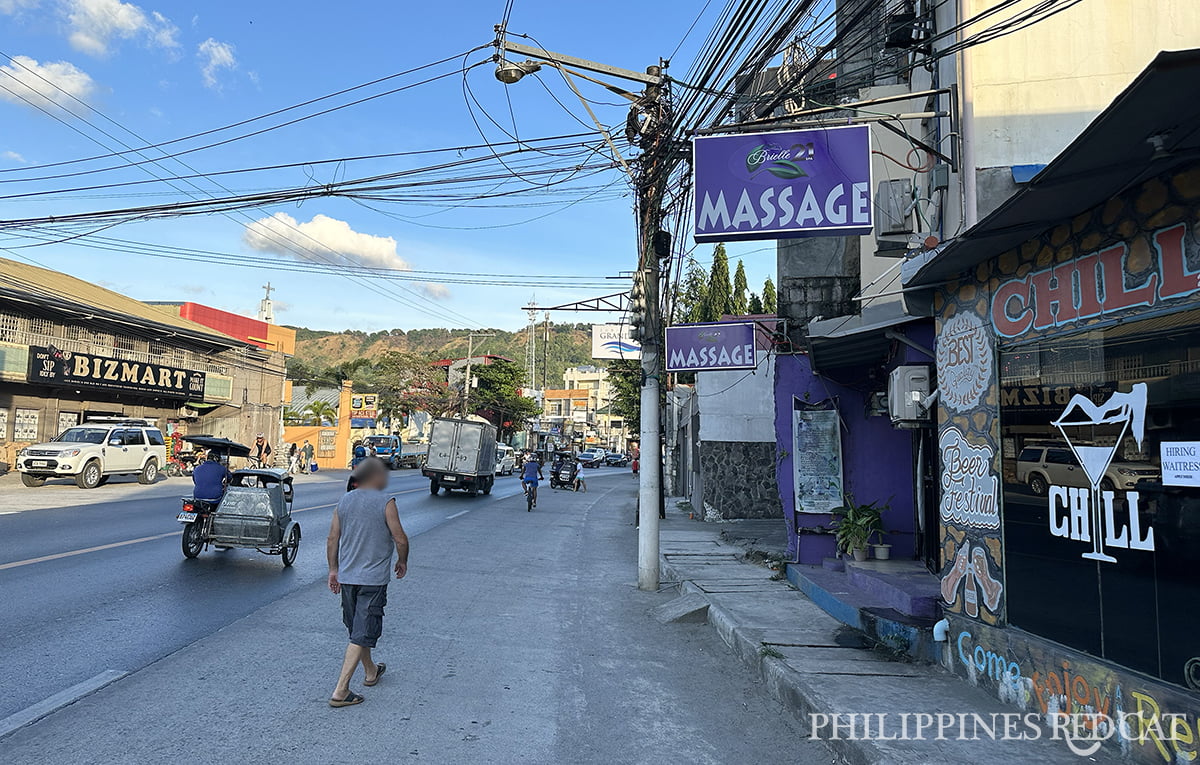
{"x": 739, "y": 480}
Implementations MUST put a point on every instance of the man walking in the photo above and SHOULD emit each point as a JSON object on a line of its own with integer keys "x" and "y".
{"x": 306, "y": 456}
{"x": 362, "y": 536}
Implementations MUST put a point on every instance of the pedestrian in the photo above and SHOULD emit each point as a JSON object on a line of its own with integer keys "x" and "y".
{"x": 293, "y": 458}
{"x": 580, "y": 484}
{"x": 262, "y": 451}
{"x": 306, "y": 457}
{"x": 358, "y": 454}
{"x": 364, "y": 533}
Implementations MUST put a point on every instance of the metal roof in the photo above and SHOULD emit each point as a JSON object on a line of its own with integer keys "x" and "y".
{"x": 63, "y": 297}
{"x": 850, "y": 341}
{"x": 1152, "y": 126}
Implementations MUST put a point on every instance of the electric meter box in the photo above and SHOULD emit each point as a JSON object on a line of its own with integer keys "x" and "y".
{"x": 908, "y": 386}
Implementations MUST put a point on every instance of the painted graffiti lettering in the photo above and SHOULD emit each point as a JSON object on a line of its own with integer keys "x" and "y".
{"x": 1093, "y": 285}
{"x": 968, "y": 485}
{"x": 988, "y": 662}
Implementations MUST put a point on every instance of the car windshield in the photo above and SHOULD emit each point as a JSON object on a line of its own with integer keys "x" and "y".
{"x": 83, "y": 435}
{"x": 379, "y": 441}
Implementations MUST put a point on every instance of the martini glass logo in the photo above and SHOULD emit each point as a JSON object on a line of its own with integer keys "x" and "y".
{"x": 1084, "y": 423}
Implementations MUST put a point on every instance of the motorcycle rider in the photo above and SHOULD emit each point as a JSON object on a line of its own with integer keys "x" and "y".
{"x": 209, "y": 479}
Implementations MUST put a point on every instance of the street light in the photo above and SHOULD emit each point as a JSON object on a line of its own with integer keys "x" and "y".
{"x": 652, "y": 132}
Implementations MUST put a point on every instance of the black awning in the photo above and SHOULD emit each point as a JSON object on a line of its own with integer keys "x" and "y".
{"x": 852, "y": 341}
{"x": 1150, "y": 128}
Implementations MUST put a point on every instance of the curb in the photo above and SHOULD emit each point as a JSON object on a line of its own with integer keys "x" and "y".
{"x": 782, "y": 682}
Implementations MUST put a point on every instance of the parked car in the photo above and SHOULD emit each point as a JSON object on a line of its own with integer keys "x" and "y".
{"x": 1041, "y": 466}
{"x": 95, "y": 451}
{"x": 506, "y": 460}
{"x": 616, "y": 459}
{"x": 592, "y": 457}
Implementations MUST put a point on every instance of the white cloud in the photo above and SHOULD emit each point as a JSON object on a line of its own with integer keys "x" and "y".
{"x": 215, "y": 56}
{"x": 40, "y": 85}
{"x": 12, "y": 156}
{"x": 323, "y": 239}
{"x": 10, "y": 7}
{"x": 96, "y": 24}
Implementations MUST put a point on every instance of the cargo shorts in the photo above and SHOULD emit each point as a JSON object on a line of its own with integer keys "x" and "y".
{"x": 362, "y": 612}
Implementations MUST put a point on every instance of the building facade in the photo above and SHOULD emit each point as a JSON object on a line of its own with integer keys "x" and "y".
{"x": 70, "y": 351}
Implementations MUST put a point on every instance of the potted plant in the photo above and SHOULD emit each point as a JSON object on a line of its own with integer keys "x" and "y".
{"x": 854, "y": 525}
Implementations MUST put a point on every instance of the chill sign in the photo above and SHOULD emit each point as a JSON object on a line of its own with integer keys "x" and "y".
{"x": 783, "y": 184}
{"x": 710, "y": 347}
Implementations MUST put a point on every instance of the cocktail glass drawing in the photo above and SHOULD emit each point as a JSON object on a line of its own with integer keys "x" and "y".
{"x": 1081, "y": 424}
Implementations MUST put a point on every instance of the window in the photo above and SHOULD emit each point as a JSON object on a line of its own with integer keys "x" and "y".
{"x": 43, "y": 327}
{"x": 9, "y": 326}
{"x": 134, "y": 437}
{"x": 1111, "y": 581}
{"x": 155, "y": 437}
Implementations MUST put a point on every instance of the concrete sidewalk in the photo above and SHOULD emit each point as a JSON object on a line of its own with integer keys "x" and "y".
{"x": 813, "y": 664}
{"x": 517, "y": 637}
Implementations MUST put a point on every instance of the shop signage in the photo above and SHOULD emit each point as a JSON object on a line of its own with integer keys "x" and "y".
{"x": 968, "y": 484}
{"x": 1180, "y": 463}
{"x": 364, "y": 410}
{"x": 1089, "y": 514}
{"x": 964, "y": 361}
{"x": 782, "y": 184}
{"x": 1096, "y": 284}
{"x": 709, "y": 347}
{"x": 51, "y": 366}
{"x": 614, "y": 341}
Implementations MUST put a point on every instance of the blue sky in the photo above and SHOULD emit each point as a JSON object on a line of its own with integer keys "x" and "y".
{"x": 163, "y": 71}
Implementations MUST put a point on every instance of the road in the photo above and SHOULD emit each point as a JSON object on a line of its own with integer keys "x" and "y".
{"x": 100, "y": 583}
{"x": 515, "y": 638}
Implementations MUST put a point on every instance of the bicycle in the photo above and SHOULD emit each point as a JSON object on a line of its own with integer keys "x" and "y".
{"x": 530, "y": 495}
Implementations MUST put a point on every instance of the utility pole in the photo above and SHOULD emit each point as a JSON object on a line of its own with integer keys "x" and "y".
{"x": 467, "y": 379}
{"x": 546, "y": 353}
{"x": 650, "y": 126}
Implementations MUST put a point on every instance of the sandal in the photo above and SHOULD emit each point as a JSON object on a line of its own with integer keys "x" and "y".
{"x": 380, "y": 668}
{"x": 351, "y": 699}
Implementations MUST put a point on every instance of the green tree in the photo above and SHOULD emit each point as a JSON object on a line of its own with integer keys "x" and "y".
{"x": 626, "y": 379}
{"x": 408, "y": 383}
{"x": 690, "y": 295}
{"x": 321, "y": 413}
{"x": 740, "y": 290}
{"x": 718, "y": 300}
{"x": 496, "y": 396}
{"x": 754, "y": 305}
{"x": 769, "y": 299}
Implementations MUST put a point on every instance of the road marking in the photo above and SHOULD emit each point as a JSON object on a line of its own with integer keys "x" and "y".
{"x": 49, "y": 706}
{"x": 110, "y": 546}
{"x": 452, "y": 517}
{"x": 98, "y": 548}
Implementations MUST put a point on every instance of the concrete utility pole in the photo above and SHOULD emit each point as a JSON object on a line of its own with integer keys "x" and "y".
{"x": 470, "y": 355}
{"x": 650, "y": 127}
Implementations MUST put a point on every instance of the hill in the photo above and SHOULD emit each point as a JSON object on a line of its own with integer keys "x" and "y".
{"x": 569, "y": 345}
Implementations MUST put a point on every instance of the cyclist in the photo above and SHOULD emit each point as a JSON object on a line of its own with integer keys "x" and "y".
{"x": 530, "y": 475}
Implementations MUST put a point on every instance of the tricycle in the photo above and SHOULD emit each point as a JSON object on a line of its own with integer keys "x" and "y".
{"x": 255, "y": 513}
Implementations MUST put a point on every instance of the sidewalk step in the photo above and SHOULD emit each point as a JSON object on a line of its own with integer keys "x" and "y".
{"x": 905, "y": 586}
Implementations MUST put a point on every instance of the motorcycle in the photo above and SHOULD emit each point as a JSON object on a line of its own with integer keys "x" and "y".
{"x": 562, "y": 475}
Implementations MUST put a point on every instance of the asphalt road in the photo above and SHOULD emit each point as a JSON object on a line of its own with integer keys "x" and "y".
{"x": 100, "y": 582}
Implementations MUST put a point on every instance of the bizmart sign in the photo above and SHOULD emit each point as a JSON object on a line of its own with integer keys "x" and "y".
{"x": 51, "y": 366}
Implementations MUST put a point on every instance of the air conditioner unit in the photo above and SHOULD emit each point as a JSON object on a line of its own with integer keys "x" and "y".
{"x": 908, "y": 386}
{"x": 188, "y": 412}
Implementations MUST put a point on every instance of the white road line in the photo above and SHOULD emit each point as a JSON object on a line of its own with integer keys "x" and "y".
{"x": 98, "y": 548}
{"x": 59, "y": 700}
{"x": 452, "y": 517}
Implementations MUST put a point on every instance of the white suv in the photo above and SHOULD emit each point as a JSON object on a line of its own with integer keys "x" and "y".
{"x": 93, "y": 452}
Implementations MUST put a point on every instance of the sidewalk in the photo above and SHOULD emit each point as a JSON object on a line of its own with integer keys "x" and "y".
{"x": 517, "y": 637}
{"x": 813, "y": 664}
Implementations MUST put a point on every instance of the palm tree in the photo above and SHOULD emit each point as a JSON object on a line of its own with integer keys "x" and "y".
{"x": 321, "y": 413}
{"x": 293, "y": 416}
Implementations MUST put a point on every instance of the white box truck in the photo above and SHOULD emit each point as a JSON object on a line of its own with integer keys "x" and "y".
{"x": 462, "y": 455}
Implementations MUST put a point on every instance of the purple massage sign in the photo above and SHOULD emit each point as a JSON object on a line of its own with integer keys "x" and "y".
{"x": 710, "y": 347}
{"x": 782, "y": 185}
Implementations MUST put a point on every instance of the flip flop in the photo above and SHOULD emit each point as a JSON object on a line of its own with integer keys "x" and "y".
{"x": 380, "y": 668}
{"x": 351, "y": 699}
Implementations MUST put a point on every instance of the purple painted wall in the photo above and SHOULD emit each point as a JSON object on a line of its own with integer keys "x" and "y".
{"x": 877, "y": 458}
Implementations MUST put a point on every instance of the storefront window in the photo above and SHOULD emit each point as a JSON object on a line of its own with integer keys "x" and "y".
{"x": 1101, "y": 437}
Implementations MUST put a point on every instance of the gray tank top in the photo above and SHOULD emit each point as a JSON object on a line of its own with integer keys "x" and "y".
{"x": 365, "y": 546}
